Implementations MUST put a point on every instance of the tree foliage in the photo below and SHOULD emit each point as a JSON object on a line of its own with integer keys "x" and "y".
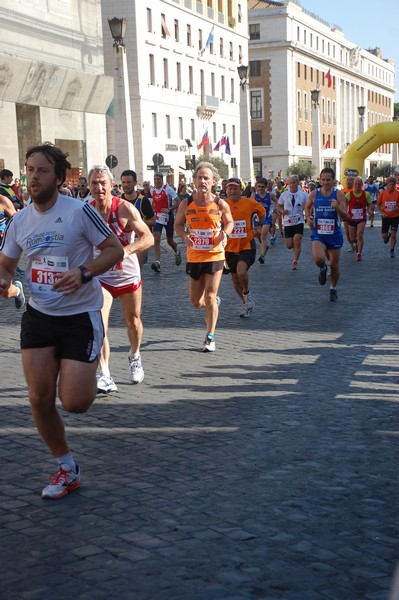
{"x": 383, "y": 170}
{"x": 302, "y": 168}
{"x": 396, "y": 110}
{"x": 221, "y": 166}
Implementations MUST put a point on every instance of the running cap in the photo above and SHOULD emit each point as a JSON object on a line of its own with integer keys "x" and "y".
{"x": 234, "y": 181}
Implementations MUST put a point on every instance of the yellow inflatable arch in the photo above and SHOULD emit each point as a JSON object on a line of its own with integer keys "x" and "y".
{"x": 370, "y": 140}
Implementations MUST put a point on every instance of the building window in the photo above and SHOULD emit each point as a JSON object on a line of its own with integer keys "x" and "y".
{"x": 231, "y": 53}
{"x": 233, "y": 129}
{"x": 155, "y": 125}
{"x": 299, "y": 138}
{"x": 254, "y": 31}
{"x": 152, "y": 69}
{"x": 164, "y": 28}
{"x": 306, "y": 138}
{"x": 311, "y": 73}
{"x": 149, "y": 20}
{"x": 256, "y": 138}
{"x": 165, "y": 73}
{"x": 254, "y": 68}
{"x": 299, "y": 105}
{"x": 168, "y": 126}
{"x": 193, "y": 129}
{"x": 200, "y": 39}
{"x": 181, "y": 128}
{"x": 240, "y": 55}
{"x": 189, "y": 36}
{"x": 223, "y": 88}
{"x": 221, "y": 49}
{"x": 177, "y": 35}
{"x": 214, "y": 131}
{"x": 298, "y": 66}
{"x": 213, "y": 90}
{"x": 232, "y": 88}
{"x": 305, "y": 108}
{"x": 190, "y": 81}
{"x": 305, "y": 72}
{"x": 256, "y": 104}
{"x": 239, "y": 13}
{"x": 178, "y": 77}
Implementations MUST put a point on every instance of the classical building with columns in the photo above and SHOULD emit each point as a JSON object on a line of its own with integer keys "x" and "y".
{"x": 180, "y": 68}
{"x": 52, "y": 82}
{"x": 312, "y": 91}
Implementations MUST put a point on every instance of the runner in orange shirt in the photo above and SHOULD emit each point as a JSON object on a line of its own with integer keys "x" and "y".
{"x": 388, "y": 205}
{"x": 241, "y": 248}
{"x": 204, "y": 223}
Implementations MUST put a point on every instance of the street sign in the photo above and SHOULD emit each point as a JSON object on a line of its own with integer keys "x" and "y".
{"x": 111, "y": 161}
{"x": 158, "y": 159}
{"x": 162, "y": 169}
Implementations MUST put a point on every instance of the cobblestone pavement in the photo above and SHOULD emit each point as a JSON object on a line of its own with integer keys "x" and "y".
{"x": 265, "y": 471}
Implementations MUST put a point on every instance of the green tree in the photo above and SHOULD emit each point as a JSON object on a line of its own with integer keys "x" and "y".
{"x": 221, "y": 166}
{"x": 383, "y": 170}
{"x": 396, "y": 110}
{"x": 302, "y": 168}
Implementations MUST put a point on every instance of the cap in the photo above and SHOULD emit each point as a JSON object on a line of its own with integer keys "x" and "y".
{"x": 311, "y": 183}
{"x": 234, "y": 181}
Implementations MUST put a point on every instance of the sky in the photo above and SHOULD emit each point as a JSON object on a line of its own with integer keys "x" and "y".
{"x": 367, "y": 23}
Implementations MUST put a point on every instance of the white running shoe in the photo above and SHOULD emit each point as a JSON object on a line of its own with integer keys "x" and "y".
{"x": 218, "y": 300}
{"x": 247, "y": 309}
{"x": 63, "y": 481}
{"x": 136, "y": 369}
{"x": 209, "y": 344}
{"x": 105, "y": 384}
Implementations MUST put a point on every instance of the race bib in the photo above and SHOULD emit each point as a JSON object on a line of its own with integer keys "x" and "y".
{"x": 202, "y": 239}
{"x": 357, "y": 214}
{"x": 390, "y": 206}
{"x": 46, "y": 271}
{"x": 162, "y": 218}
{"x": 240, "y": 229}
{"x": 325, "y": 226}
{"x": 115, "y": 271}
{"x": 292, "y": 220}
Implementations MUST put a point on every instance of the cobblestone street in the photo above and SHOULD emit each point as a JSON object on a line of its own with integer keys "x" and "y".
{"x": 265, "y": 471}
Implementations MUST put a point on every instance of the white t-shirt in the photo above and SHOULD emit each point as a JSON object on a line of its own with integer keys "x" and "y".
{"x": 54, "y": 242}
{"x": 294, "y": 202}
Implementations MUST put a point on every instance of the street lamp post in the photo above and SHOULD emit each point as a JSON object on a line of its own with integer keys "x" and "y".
{"x": 123, "y": 118}
{"x": 361, "y": 110}
{"x": 246, "y": 160}
{"x": 316, "y": 150}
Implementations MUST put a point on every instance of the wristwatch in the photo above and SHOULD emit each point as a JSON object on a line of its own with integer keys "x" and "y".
{"x": 86, "y": 274}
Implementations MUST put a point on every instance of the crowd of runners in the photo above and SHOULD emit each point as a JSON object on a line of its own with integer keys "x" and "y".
{"x": 85, "y": 250}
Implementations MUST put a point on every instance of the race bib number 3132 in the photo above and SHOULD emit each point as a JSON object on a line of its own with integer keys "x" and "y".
{"x": 46, "y": 271}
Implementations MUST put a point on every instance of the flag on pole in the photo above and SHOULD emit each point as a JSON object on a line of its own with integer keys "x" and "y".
{"x": 329, "y": 78}
{"x": 205, "y": 140}
{"x": 224, "y": 141}
{"x": 209, "y": 41}
{"x": 327, "y": 144}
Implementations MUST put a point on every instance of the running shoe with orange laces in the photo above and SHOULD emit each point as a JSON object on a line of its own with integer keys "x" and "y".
{"x": 63, "y": 481}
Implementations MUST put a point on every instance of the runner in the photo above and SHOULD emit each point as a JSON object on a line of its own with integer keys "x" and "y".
{"x": 204, "y": 223}
{"x": 359, "y": 206}
{"x": 372, "y": 188}
{"x": 265, "y": 196}
{"x": 241, "y": 248}
{"x": 291, "y": 206}
{"x": 123, "y": 281}
{"x": 324, "y": 210}
{"x": 62, "y": 330}
{"x": 16, "y": 290}
{"x": 165, "y": 201}
{"x": 388, "y": 205}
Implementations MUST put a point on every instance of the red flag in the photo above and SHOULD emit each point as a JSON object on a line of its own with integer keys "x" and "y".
{"x": 329, "y": 78}
{"x": 327, "y": 144}
{"x": 205, "y": 140}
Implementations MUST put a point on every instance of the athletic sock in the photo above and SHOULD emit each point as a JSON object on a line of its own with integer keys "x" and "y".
{"x": 67, "y": 460}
